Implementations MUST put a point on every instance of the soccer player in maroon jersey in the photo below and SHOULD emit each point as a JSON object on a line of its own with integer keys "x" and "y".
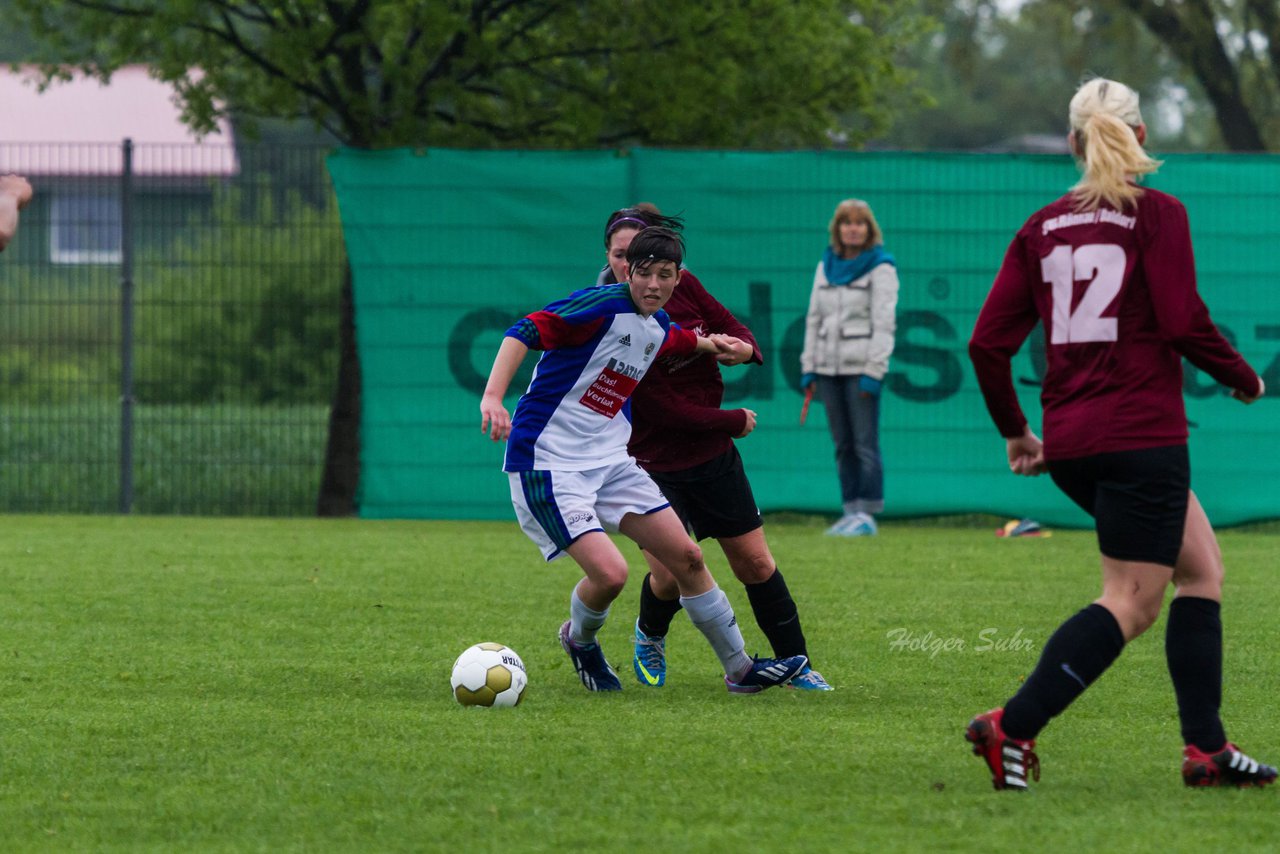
{"x": 1108, "y": 270}
{"x": 684, "y": 440}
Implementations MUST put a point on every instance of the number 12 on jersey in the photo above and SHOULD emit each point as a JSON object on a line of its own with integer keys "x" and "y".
{"x": 1102, "y": 265}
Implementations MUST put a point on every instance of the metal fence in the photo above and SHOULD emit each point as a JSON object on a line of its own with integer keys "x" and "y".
{"x": 168, "y": 329}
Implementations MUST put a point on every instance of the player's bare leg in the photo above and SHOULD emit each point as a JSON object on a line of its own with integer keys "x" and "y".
{"x": 1073, "y": 658}
{"x": 1133, "y": 591}
{"x": 771, "y": 602}
{"x": 604, "y": 568}
{"x": 663, "y": 535}
{"x": 605, "y": 573}
{"x": 1193, "y": 648}
{"x": 749, "y": 556}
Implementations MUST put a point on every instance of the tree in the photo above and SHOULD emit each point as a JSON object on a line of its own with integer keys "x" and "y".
{"x": 995, "y": 73}
{"x": 1232, "y": 49}
{"x": 1218, "y": 57}
{"x": 499, "y": 73}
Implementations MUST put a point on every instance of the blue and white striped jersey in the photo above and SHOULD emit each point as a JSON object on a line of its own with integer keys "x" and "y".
{"x": 576, "y": 413}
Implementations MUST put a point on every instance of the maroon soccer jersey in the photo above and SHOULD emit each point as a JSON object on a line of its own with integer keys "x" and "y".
{"x": 1116, "y": 293}
{"x": 677, "y": 422}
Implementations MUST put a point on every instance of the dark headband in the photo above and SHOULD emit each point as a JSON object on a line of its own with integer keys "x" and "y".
{"x": 613, "y": 226}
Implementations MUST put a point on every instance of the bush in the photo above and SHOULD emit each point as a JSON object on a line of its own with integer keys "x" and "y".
{"x": 244, "y": 310}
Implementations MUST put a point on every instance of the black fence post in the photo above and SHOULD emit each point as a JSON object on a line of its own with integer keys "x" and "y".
{"x": 126, "y": 327}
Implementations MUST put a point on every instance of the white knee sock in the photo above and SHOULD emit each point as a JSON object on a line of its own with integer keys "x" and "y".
{"x": 584, "y": 621}
{"x": 713, "y": 615}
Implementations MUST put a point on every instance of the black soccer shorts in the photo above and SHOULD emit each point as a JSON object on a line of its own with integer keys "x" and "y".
{"x": 1138, "y": 499}
{"x": 714, "y": 498}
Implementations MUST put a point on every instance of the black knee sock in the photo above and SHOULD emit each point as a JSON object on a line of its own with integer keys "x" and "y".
{"x": 1193, "y": 647}
{"x": 656, "y": 614}
{"x": 776, "y": 615}
{"x": 1075, "y": 655}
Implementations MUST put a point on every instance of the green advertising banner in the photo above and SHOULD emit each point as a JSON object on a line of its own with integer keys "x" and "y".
{"x": 448, "y": 248}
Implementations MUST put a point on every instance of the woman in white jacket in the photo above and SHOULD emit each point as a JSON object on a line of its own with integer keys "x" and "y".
{"x": 848, "y": 338}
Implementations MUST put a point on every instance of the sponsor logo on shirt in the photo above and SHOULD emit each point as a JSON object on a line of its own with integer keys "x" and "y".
{"x": 612, "y": 388}
{"x": 625, "y": 340}
{"x": 1101, "y": 215}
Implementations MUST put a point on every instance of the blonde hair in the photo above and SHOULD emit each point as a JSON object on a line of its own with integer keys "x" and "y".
{"x": 854, "y": 210}
{"x": 1105, "y": 119}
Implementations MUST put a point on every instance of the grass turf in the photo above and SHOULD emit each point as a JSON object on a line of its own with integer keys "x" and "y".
{"x": 282, "y": 685}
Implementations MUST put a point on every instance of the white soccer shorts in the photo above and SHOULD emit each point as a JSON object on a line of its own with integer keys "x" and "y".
{"x": 554, "y": 508}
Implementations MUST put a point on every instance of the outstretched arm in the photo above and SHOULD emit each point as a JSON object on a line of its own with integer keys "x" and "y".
{"x": 1244, "y": 397}
{"x": 719, "y": 319}
{"x": 736, "y": 352}
{"x": 1181, "y": 315}
{"x": 494, "y": 418}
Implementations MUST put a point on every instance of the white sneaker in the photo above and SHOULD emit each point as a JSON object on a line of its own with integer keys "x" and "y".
{"x": 865, "y": 526}
{"x": 844, "y": 525}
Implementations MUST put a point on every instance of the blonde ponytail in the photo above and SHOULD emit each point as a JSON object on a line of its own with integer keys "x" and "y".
{"x": 1104, "y": 121}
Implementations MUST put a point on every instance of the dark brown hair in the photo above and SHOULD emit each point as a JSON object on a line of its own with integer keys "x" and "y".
{"x": 653, "y": 244}
{"x": 639, "y": 216}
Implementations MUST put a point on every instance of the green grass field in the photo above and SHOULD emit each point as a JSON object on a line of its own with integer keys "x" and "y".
{"x": 216, "y": 459}
{"x": 177, "y": 684}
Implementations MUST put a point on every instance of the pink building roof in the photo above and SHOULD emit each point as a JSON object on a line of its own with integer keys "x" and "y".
{"x": 61, "y": 130}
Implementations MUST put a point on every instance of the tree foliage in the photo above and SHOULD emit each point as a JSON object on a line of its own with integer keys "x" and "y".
{"x": 995, "y": 74}
{"x": 1208, "y": 70}
{"x": 269, "y": 333}
{"x": 527, "y": 73}
{"x": 1232, "y": 50}
{"x": 497, "y": 73}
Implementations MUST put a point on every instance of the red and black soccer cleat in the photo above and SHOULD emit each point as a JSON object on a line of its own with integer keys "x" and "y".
{"x": 1228, "y": 767}
{"x": 1008, "y": 758}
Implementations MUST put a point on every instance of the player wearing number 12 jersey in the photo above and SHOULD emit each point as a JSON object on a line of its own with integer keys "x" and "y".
{"x": 1116, "y": 293}
{"x": 1108, "y": 270}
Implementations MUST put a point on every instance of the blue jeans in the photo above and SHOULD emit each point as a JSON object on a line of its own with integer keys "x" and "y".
{"x": 854, "y": 419}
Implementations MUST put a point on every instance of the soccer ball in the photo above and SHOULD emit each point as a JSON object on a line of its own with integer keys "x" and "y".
{"x": 489, "y": 674}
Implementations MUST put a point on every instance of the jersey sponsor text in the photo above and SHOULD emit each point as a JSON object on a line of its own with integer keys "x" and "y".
{"x": 1101, "y": 215}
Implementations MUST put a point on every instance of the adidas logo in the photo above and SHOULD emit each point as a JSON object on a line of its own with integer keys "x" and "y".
{"x": 625, "y": 340}
{"x": 1240, "y": 762}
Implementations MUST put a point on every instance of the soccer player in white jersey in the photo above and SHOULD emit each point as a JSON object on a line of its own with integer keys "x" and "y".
{"x": 571, "y": 477}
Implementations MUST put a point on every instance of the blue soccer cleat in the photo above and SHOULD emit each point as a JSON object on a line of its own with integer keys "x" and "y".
{"x": 588, "y": 661}
{"x": 809, "y": 679}
{"x": 650, "y": 659}
{"x": 766, "y": 673}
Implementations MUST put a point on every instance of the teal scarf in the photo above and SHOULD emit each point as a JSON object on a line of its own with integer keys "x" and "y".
{"x": 842, "y": 271}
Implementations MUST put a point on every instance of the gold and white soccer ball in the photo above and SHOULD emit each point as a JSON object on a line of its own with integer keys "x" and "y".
{"x": 489, "y": 674}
